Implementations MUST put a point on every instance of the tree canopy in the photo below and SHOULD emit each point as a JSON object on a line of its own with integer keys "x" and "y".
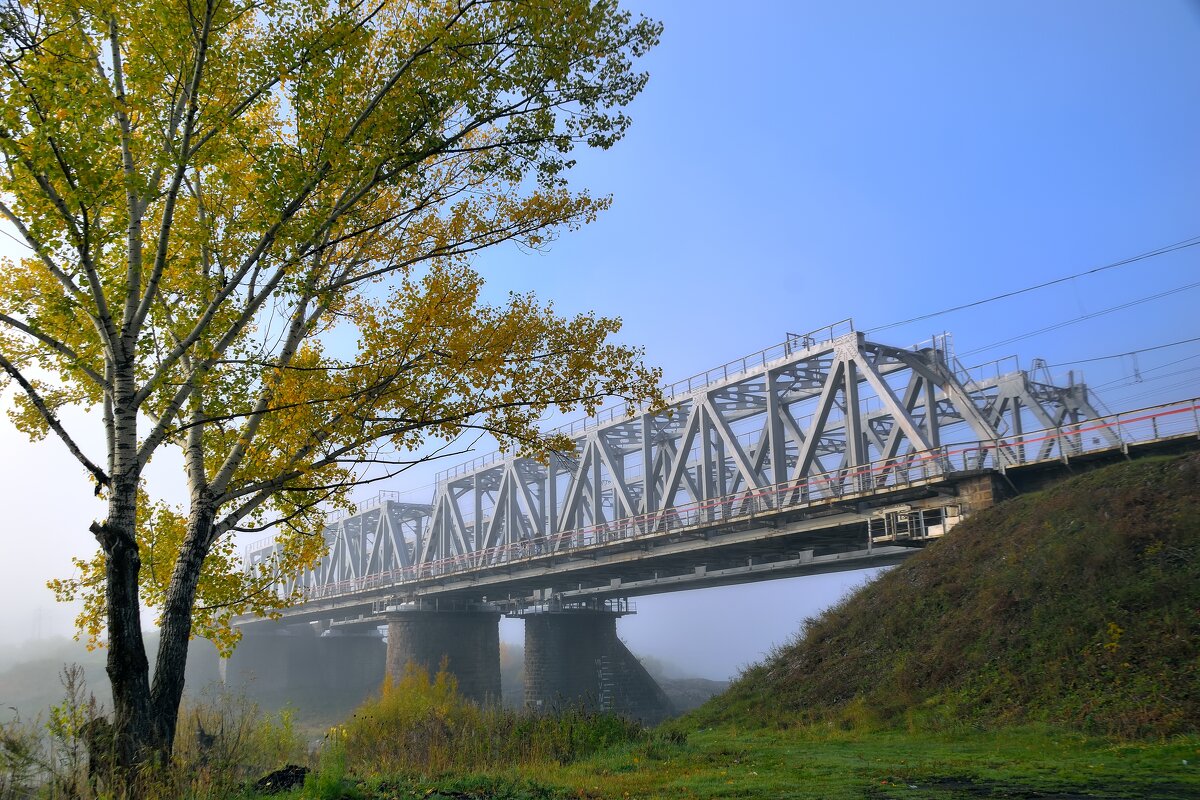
{"x": 250, "y": 230}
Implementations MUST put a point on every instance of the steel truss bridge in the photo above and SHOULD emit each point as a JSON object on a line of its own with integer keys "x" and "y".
{"x": 829, "y": 451}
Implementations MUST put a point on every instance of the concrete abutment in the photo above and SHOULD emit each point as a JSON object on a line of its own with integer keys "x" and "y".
{"x": 981, "y": 492}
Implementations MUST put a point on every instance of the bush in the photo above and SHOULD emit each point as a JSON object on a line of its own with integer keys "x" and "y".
{"x": 21, "y": 764}
{"x": 222, "y": 742}
{"x": 423, "y": 725}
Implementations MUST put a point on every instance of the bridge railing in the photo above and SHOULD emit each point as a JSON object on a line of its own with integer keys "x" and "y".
{"x": 1172, "y": 420}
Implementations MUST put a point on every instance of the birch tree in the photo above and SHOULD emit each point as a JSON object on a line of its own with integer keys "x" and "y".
{"x": 250, "y": 229}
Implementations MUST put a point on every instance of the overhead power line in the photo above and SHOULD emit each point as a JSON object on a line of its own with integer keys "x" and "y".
{"x": 1074, "y": 320}
{"x": 21, "y": 242}
{"x": 1140, "y": 377}
{"x": 1126, "y": 353}
{"x": 1170, "y": 248}
{"x": 1159, "y": 390}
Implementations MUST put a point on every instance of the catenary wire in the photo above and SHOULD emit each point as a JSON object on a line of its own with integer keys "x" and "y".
{"x": 1161, "y": 390}
{"x": 1122, "y": 355}
{"x": 1126, "y": 381}
{"x": 1170, "y": 248}
{"x": 1074, "y": 320}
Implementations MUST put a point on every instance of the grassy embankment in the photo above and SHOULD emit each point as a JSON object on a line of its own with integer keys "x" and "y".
{"x": 1078, "y": 606}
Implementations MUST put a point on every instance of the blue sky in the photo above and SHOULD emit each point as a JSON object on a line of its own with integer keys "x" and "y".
{"x": 795, "y": 163}
{"x": 792, "y": 164}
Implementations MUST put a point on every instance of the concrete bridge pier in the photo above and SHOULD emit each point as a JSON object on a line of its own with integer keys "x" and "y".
{"x": 469, "y": 641}
{"x": 274, "y": 657}
{"x": 352, "y": 660}
{"x": 278, "y": 662}
{"x": 573, "y": 658}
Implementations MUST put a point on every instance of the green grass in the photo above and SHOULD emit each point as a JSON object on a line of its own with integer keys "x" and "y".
{"x": 820, "y": 762}
{"x": 825, "y": 763}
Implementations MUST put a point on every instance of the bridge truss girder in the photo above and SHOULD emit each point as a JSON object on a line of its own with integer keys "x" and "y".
{"x": 826, "y": 409}
{"x": 819, "y": 412}
{"x": 384, "y": 538}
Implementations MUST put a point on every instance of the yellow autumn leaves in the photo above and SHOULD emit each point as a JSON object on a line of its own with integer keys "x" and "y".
{"x": 264, "y": 221}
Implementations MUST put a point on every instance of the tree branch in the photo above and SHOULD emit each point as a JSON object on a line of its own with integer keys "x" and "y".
{"x": 58, "y": 347}
{"x": 168, "y": 213}
{"x": 134, "y": 205}
{"x": 43, "y": 254}
{"x": 52, "y": 420}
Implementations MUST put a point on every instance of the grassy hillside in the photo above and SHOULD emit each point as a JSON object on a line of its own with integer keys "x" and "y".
{"x": 1077, "y": 606}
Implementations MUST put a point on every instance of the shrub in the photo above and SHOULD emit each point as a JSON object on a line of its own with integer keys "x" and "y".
{"x": 21, "y": 764}
{"x": 423, "y": 725}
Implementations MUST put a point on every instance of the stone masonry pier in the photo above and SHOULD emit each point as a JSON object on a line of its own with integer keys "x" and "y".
{"x": 468, "y": 641}
{"x": 574, "y": 659}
